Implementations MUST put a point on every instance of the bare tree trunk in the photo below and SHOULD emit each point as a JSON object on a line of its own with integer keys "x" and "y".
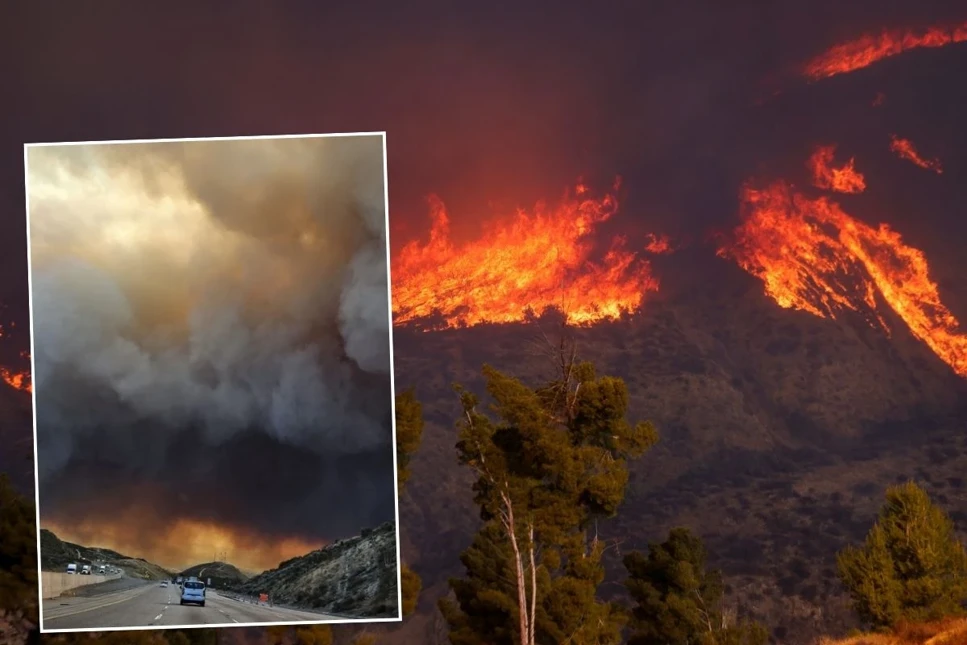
{"x": 533, "y": 608}
{"x": 507, "y": 517}
{"x": 705, "y": 612}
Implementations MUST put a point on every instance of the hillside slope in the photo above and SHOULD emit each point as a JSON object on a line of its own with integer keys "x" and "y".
{"x": 355, "y": 577}
{"x": 56, "y": 554}
{"x": 221, "y": 574}
{"x": 779, "y": 430}
{"x": 16, "y": 437}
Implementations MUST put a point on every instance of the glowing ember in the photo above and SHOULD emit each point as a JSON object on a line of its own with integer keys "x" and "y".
{"x": 535, "y": 261}
{"x": 844, "y": 179}
{"x": 879, "y": 99}
{"x": 904, "y": 149}
{"x": 865, "y": 51}
{"x": 813, "y": 256}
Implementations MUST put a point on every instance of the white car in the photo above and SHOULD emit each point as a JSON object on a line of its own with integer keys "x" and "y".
{"x": 193, "y": 591}
{"x": 72, "y": 568}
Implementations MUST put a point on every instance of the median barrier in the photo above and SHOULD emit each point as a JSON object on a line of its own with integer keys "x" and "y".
{"x": 54, "y": 583}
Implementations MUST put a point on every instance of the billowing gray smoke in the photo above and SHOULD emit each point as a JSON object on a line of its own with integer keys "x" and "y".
{"x": 221, "y": 288}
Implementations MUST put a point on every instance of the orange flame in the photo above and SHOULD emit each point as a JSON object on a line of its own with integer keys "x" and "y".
{"x": 814, "y": 257}
{"x": 842, "y": 180}
{"x": 904, "y": 149}
{"x": 535, "y": 261}
{"x": 16, "y": 380}
{"x": 19, "y": 380}
{"x": 658, "y": 244}
{"x": 870, "y": 49}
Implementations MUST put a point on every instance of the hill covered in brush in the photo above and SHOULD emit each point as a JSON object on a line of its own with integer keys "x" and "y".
{"x": 356, "y": 577}
{"x": 779, "y": 431}
{"x": 221, "y": 574}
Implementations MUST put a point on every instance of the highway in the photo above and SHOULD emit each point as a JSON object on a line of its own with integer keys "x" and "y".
{"x": 127, "y": 602}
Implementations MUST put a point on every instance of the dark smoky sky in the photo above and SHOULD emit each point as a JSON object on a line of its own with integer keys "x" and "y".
{"x": 501, "y": 104}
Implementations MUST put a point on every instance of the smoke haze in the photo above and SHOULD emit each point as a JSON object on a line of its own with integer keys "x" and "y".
{"x": 201, "y": 310}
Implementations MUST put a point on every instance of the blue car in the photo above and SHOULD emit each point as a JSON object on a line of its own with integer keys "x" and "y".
{"x": 193, "y": 592}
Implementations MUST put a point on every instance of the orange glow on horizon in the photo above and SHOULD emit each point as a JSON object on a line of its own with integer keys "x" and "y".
{"x": 184, "y": 543}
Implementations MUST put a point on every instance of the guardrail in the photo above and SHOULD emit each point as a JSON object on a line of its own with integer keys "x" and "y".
{"x": 255, "y": 600}
{"x": 54, "y": 583}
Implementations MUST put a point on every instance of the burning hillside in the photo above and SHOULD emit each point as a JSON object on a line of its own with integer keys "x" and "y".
{"x": 840, "y": 179}
{"x": 872, "y": 48}
{"x": 537, "y": 260}
{"x": 813, "y": 256}
{"x": 904, "y": 149}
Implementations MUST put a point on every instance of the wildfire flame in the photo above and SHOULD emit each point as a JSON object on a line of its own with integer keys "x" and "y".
{"x": 872, "y": 48}
{"x": 904, "y": 149}
{"x": 658, "y": 244}
{"x": 844, "y": 179}
{"x": 16, "y": 380}
{"x": 534, "y": 261}
{"x": 19, "y": 380}
{"x": 813, "y": 256}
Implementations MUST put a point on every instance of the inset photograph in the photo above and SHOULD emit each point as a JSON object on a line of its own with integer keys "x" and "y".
{"x": 212, "y": 382}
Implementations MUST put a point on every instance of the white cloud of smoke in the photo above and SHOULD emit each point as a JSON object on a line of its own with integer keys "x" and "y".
{"x": 220, "y": 286}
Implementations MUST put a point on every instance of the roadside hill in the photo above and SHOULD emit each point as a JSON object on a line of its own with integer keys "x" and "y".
{"x": 355, "y": 577}
{"x": 56, "y": 554}
{"x": 221, "y": 574}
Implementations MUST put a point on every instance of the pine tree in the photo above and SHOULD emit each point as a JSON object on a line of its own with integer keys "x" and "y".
{"x": 409, "y": 435}
{"x": 549, "y": 463}
{"x": 678, "y": 601}
{"x": 911, "y": 566}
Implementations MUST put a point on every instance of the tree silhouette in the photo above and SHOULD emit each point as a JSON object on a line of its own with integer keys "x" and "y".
{"x": 550, "y": 462}
{"x": 677, "y": 600}
{"x": 911, "y": 566}
{"x": 409, "y": 435}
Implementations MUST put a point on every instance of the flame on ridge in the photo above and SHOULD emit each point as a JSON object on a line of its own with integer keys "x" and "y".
{"x": 538, "y": 259}
{"x": 872, "y": 48}
{"x": 813, "y": 256}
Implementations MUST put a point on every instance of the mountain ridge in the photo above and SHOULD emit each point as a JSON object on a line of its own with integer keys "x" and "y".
{"x": 751, "y": 401}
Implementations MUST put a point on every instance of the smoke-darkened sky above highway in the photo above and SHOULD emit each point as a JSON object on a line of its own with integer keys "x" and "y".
{"x": 211, "y": 345}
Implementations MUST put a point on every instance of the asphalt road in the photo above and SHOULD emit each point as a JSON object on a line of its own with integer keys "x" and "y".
{"x": 147, "y": 604}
